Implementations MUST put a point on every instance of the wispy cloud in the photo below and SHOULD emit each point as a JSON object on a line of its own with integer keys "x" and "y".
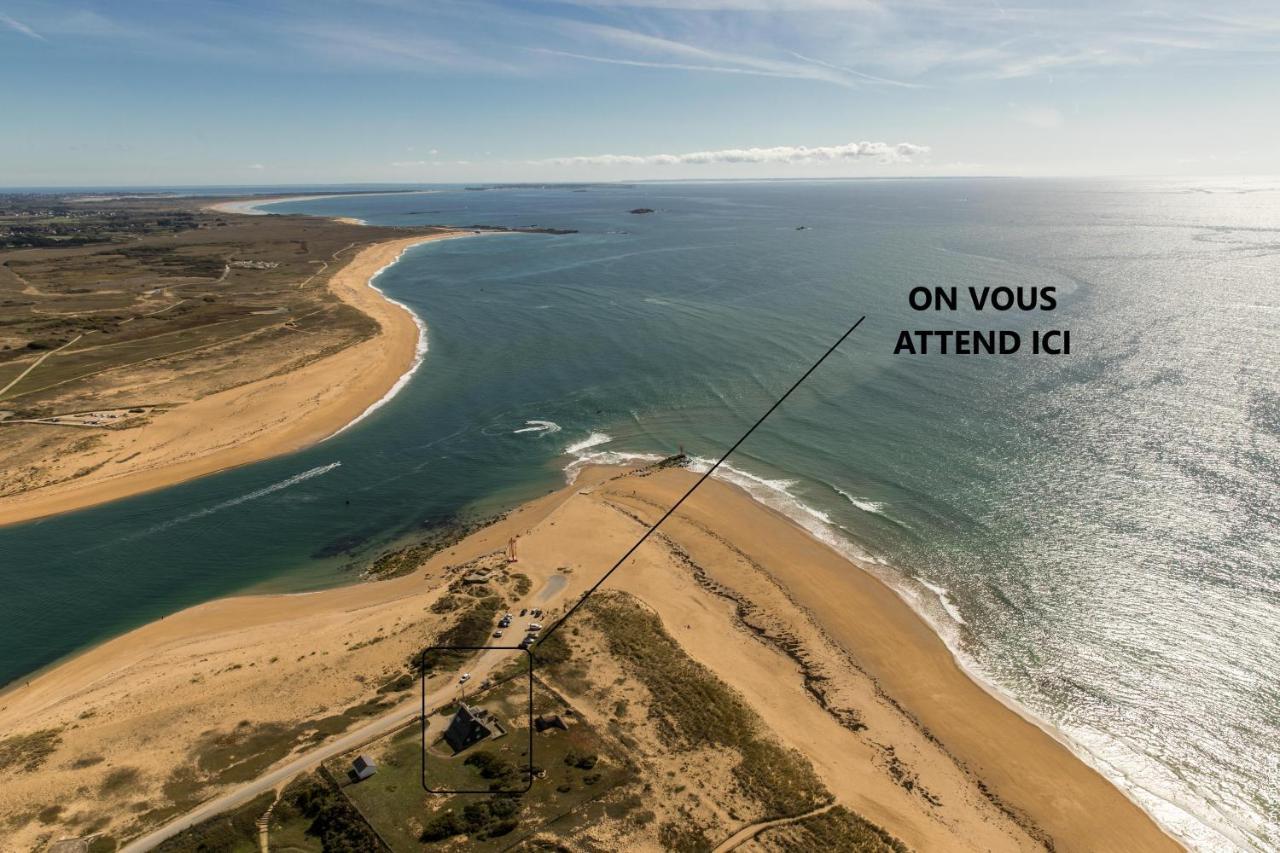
{"x": 883, "y": 152}
{"x": 629, "y": 47}
{"x": 19, "y": 27}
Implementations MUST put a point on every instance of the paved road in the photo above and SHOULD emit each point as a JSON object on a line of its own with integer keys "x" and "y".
{"x": 401, "y": 715}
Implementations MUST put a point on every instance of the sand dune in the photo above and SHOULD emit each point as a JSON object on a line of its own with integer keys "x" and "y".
{"x": 832, "y": 660}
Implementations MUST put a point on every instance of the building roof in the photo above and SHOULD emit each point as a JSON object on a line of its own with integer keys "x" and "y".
{"x": 467, "y": 727}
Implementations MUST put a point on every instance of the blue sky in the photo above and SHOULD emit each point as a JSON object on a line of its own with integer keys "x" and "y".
{"x": 137, "y": 93}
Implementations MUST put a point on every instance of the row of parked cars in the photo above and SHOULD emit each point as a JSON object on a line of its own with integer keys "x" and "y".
{"x": 531, "y": 633}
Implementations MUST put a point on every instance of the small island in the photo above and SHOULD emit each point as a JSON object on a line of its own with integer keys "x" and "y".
{"x": 641, "y": 210}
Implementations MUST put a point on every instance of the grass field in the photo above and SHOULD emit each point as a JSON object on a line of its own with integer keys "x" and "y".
{"x": 150, "y": 303}
{"x": 572, "y": 769}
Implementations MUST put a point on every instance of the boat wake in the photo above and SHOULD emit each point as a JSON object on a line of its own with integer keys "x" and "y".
{"x": 254, "y": 495}
{"x": 540, "y": 427}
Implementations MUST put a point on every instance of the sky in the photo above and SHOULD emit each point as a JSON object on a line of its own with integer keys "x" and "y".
{"x": 132, "y": 93}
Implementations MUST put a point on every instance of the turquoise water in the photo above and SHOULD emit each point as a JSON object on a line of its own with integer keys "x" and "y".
{"x": 1095, "y": 534}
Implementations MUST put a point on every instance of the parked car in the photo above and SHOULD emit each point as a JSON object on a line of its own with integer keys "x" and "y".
{"x": 534, "y": 626}
{"x": 466, "y": 676}
{"x": 497, "y": 634}
{"x": 524, "y": 610}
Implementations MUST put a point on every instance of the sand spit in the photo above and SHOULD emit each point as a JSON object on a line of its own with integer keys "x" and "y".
{"x": 834, "y": 663}
{"x": 252, "y": 206}
{"x": 258, "y": 420}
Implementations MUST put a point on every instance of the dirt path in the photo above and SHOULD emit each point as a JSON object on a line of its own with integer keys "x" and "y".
{"x": 37, "y": 363}
{"x": 751, "y": 831}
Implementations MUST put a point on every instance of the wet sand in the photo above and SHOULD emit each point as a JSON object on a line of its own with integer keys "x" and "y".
{"x": 813, "y": 643}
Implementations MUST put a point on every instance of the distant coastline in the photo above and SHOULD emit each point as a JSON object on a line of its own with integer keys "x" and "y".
{"x": 253, "y": 206}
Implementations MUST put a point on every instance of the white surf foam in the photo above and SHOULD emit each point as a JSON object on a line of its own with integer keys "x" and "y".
{"x": 777, "y": 495}
{"x": 1141, "y": 779}
{"x": 547, "y": 427}
{"x": 944, "y": 598}
{"x": 593, "y": 440}
{"x": 585, "y": 455}
{"x": 861, "y": 503}
{"x": 419, "y": 352}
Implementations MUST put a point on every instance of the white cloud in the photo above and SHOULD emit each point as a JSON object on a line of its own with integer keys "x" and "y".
{"x": 884, "y": 152}
{"x": 1045, "y": 118}
{"x": 19, "y": 27}
{"x": 257, "y": 166}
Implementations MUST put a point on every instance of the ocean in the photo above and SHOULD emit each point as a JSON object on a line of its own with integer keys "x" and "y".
{"x": 1097, "y": 535}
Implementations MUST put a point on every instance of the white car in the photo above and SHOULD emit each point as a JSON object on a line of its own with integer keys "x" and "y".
{"x": 534, "y": 626}
{"x": 466, "y": 676}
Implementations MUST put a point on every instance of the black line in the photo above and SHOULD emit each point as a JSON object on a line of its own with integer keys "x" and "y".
{"x": 700, "y": 481}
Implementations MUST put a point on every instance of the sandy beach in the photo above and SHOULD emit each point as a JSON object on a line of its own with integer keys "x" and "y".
{"x": 253, "y": 421}
{"x": 250, "y": 206}
{"x": 835, "y": 664}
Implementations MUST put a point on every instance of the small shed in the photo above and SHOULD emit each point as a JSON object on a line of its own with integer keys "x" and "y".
{"x": 362, "y": 768}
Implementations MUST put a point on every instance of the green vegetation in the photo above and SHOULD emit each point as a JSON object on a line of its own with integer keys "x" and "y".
{"x": 311, "y": 815}
{"x": 119, "y": 779}
{"x": 471, "y": 628}
{"x": 493, "y": 767}
{"x": 581, "y": 768}
{"x": 27, "y": 752}
{"x": 234, "y": 832}
{"x": 442, "y": 533}
{"x": 552, "y": 652}
{"x": 446, "y": 603}
{"x": 481, "y": 819}
{"x": 522, "y": 585}
{"x": 686, "y": 838}
{"x": 332, "y": 818}
{"x": 695, "y": 709}
{"x": 837, "y": 829}
{"x": 403, "y": 681}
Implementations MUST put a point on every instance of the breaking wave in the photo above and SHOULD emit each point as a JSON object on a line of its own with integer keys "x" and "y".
{"x": 596, "y": 438}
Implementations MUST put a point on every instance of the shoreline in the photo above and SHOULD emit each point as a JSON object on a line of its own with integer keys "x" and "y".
{"x": 817, "y": 597}
{"x": 1034, "y": 782}
{"x": 800, "y": 515}
{"x": 332, "y": 393}
{"x": 250, "y": 206}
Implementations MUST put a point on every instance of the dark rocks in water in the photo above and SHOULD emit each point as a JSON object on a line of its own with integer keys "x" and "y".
{"x": 641, "y": 210}
{"x": 343, "y": 545}
{"x": 802, "y": 227}
{"x": 441, "y": 532}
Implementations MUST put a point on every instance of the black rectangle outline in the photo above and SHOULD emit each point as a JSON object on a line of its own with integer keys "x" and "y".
{"x": 423, "y": 669}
